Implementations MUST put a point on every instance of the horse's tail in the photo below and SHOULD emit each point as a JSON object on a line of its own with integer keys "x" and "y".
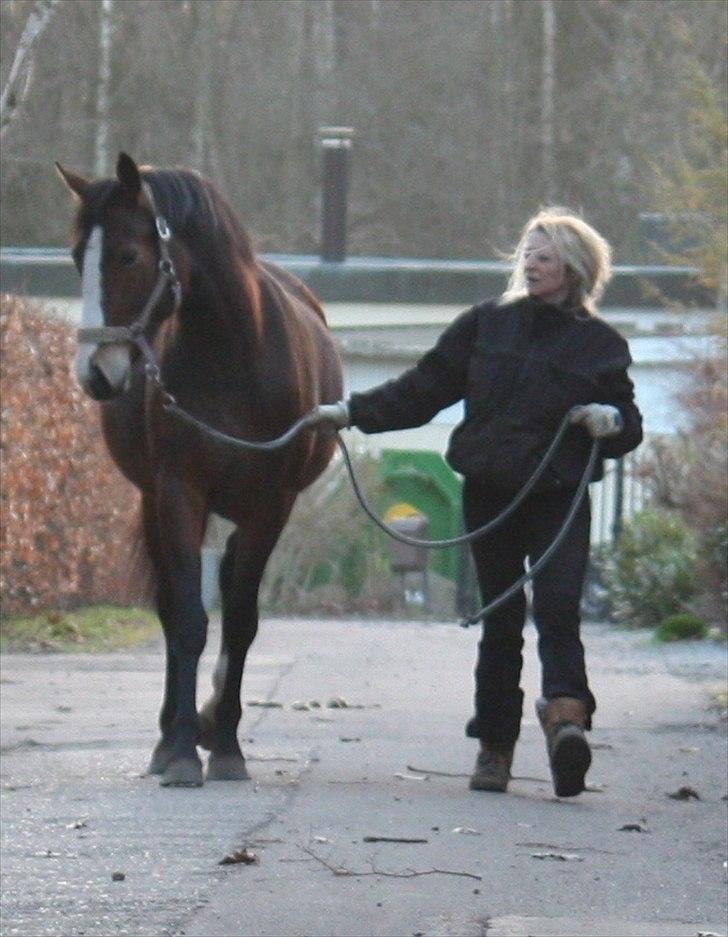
{"x": 140, "y": 585}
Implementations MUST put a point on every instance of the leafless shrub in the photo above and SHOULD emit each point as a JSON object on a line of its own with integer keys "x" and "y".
{"x": 65, "y": 507}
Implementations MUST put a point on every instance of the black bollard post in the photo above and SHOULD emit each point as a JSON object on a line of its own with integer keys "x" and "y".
{"x": 335, "y": 143}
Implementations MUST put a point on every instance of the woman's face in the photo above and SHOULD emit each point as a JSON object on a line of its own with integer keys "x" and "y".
{"x": 544, "y": 270}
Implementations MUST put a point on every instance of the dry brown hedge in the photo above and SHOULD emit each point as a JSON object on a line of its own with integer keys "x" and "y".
{"x": 67, "y": 512}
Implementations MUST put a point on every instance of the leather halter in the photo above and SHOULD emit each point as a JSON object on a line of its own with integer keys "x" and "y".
{"x": 109, "y": 334}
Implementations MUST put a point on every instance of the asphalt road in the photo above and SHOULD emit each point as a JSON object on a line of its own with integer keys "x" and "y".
{"x": 78, "y": 812}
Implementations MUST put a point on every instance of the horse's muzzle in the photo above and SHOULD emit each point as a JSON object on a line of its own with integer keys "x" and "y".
{"x": 105, "y": 372}
{"x": 97, "y": 386}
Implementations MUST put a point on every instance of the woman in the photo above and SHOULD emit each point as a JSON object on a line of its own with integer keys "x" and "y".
{"x": 520, "y": 364}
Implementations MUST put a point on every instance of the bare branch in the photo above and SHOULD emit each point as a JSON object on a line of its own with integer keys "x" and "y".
{"x": 340, "y": 871}
{"x": 18, "y": 83}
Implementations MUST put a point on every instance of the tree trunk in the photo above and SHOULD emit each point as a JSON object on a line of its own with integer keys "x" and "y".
{"x": 548, "y": 66}
{"x": 202, "y": 126}
{"x": 323, "y": 61}
{"x": 21, "y": 71}
{"x": 103, "y": 96}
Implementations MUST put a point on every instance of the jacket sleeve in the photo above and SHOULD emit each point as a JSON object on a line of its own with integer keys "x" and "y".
{"x": 435, "y": 382}
{"x": 618, "y": 390}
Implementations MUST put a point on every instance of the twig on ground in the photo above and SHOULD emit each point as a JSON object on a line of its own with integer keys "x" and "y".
{"x": 392, "y": 839}
{"x": 440, "y": 774}
{"x": 407, "y": 873}
{"x": 450, "y": 774}
{"x": 271, "y": 758}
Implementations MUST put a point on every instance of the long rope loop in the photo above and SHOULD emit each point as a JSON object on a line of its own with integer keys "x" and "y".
{"x": 470, "y": 535}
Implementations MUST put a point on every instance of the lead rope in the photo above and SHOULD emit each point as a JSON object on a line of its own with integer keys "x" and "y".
{"x": 309, "y": 419}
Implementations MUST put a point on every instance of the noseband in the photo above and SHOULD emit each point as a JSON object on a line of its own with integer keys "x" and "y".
{"x": 109, "y": 334}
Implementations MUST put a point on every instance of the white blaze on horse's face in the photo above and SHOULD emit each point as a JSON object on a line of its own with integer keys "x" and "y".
{"x": 104, "y": 370}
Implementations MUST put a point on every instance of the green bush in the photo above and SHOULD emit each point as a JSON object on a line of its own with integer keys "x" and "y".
{"x": 651, "y": 572}
{"x": 681, "y": 627}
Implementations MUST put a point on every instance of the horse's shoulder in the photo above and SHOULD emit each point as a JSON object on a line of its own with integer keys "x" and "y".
{"x": 271, "y": 275}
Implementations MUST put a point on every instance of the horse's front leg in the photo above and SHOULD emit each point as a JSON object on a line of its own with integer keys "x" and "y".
{"x": 163, "y": 751}
{"x": 181, "y": 519}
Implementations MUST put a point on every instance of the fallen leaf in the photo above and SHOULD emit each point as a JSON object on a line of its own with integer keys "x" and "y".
{"x": 559, "y": 856}
{"x": 633, "y": 828}
{"x": 684, "y": 793}
{"x": 77, "y": 825}
{"x": 118, "y": 876}
{"x": 244, "y": 856}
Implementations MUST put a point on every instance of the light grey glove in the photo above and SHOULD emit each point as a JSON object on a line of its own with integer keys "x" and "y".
{"x": 600, "y": 420}
{"x": 337, "y": 414}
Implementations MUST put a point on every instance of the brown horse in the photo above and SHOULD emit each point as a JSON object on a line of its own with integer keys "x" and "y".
{"x": 176, "y": 305}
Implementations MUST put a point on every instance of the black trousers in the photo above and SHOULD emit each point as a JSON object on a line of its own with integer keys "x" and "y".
{"x": 499, "y": 561}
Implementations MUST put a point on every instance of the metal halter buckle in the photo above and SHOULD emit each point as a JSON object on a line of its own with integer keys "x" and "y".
{"x": 162, "y": 228}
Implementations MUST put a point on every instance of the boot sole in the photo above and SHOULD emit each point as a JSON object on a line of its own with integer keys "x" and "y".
{"x": 570, "y": 760}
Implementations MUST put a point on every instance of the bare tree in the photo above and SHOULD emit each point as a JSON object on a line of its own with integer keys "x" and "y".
{"x": 21, "y": 71}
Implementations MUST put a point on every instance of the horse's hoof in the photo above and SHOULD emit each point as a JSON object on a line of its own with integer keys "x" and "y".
{"x": 230, "y": 767}
{"x": 161, "y": 757}
{"x": 182, "y": 772}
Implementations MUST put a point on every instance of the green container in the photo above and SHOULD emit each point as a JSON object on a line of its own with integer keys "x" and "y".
{"x": 425, "y": 482}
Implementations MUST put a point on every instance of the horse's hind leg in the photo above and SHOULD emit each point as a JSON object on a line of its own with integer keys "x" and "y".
{"x": 206, "y": 716}
{"x": 221, "y": 714}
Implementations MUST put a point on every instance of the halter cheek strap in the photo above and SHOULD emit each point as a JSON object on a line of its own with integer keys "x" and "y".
{"x": 167, "y": 278}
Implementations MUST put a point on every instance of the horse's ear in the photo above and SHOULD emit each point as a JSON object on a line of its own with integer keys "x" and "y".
{"x": 127, "y": 172}
{"x": 77, "y": 184}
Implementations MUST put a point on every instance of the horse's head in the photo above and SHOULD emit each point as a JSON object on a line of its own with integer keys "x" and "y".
{"x": 122, "y": 250}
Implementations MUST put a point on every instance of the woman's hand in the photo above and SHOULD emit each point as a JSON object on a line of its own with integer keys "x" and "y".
{"x": 337, "y": 414}
{"x": 600, "y": 420}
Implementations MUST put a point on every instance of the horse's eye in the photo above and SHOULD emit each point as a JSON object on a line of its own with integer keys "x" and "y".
{"x": 128, "y": 257}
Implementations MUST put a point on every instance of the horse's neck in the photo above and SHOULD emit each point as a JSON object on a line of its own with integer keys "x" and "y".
{"x": 219, "y": 315}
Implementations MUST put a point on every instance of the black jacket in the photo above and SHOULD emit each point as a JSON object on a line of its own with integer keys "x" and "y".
{"x": 518, "y": 367}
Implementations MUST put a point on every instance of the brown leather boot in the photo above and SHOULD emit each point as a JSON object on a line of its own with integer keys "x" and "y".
{"x": 492, "y": 769}
{"x": 563, "y": 720}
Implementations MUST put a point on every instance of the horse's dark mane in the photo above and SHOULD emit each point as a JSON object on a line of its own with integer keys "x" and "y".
{"x": 200, "y": 217}
{"x": 194, "y": 209}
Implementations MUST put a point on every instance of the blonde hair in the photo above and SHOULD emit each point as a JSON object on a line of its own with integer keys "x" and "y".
{"x": 585, "y": 254}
